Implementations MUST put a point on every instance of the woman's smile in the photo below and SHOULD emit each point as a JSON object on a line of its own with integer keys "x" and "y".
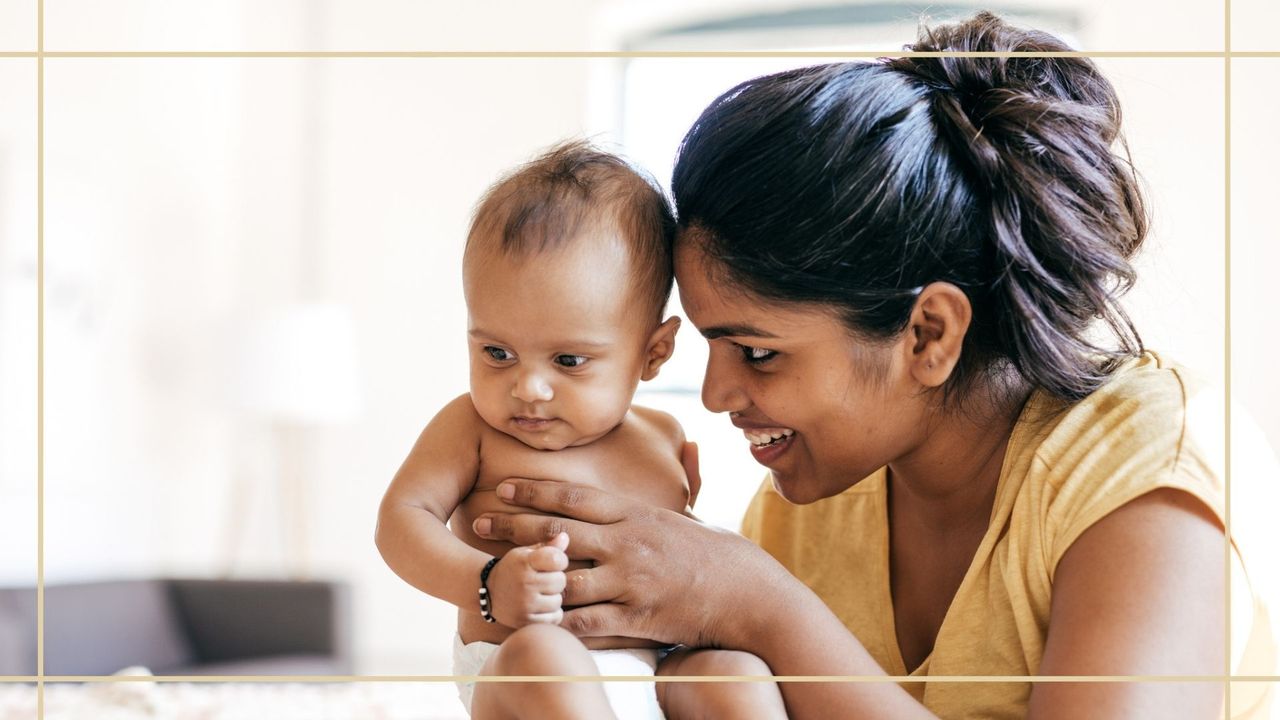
{"x": 769, "y": 440}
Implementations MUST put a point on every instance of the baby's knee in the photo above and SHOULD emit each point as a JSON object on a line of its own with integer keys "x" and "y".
{"x": 697, "y": 701}
{"x": 541, "y": 649}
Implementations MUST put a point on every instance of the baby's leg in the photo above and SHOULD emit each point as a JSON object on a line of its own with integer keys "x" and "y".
{"x": 540, "y": 650}
{"x": 719, "y": 700}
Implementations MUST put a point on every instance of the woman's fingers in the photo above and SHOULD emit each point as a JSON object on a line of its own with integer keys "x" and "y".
{"x": 525, "y": 529}
{"x": 602, "y": 620}
{"x": 588, "y": 586}
{"x": 581, "y": 502}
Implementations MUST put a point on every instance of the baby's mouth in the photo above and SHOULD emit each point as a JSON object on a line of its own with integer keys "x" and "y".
{"x": 764, "y": 437}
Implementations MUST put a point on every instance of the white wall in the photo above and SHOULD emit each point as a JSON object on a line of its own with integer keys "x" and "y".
{"x": 187, "y": 196}
{"x": 18, "y": 323}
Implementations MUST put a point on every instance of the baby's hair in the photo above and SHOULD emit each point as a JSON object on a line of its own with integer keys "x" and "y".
{"x": 574, "y": 188}
{"x": 851, "y": 185}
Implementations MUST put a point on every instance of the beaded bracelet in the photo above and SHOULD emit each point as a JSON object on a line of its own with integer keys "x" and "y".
{"x": 485, "y": 605}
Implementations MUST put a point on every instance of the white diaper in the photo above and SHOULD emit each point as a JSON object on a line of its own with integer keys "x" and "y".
{"x": 631, "y": 700}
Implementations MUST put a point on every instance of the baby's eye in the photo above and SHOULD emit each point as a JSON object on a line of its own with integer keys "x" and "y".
{"x": 571, "y": 361}
{"x": 498, "y": 353}
{"x": 755, "y": 355}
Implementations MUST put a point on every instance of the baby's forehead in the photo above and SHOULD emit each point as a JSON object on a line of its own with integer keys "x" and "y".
{"x": 583, "y": 287}
{"x": 597, "y": 260}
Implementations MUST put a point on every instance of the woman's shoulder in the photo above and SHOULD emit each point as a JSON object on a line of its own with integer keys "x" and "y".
{"x": 1152, "y": 411}
{"x": 1155, "y": 424}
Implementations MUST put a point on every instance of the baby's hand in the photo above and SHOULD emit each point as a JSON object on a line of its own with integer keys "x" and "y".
{"x": 526, "y": 585}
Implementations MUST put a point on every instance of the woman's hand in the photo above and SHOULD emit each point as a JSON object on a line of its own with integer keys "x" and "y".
{"x": 665, "y": 576}
{"x": 657, "y": 574}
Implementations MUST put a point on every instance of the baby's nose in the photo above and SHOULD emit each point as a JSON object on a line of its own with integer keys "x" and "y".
{"x": 531, "y": 387}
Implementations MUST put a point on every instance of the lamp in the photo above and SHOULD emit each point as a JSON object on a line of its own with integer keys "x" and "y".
{"x": 299, "y": 366}
{"x": 296, "y": 370}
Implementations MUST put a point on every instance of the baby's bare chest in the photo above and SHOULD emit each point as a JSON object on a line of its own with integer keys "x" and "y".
{"x": 632, "y": 465}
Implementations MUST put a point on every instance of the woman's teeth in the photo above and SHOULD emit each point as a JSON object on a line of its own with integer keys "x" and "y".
{"x": 768, "y": 436}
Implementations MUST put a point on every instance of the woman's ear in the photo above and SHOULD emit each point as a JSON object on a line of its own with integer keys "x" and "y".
{"x": 936, "y": 331}
{"x": 661, "y": 344}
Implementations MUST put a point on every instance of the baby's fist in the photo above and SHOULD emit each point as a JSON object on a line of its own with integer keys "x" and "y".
{"x": 526, "y": 585}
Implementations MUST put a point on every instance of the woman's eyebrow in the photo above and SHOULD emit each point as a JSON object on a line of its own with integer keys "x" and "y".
{"x": 720, "y": 331}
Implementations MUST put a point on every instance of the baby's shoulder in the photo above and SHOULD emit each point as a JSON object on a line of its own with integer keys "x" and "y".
{"x": 459, "y": 417}
{"x": 658, "y": 424}
{"x": 460, "y": 408}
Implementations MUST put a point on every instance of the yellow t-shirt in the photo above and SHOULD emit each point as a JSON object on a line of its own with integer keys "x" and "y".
{"x": 1067, "y": 466}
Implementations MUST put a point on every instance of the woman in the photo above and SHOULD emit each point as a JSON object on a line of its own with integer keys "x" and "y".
{"x": 898, "y": 266}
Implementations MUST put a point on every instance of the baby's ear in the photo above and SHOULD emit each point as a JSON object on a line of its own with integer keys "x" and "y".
{"x": 661, "y": 344}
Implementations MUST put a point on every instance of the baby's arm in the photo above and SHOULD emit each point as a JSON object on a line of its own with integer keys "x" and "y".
{"x": 670, "y": 430}
{"x": 417, "y": 545}
{"x": 411, "y": 534}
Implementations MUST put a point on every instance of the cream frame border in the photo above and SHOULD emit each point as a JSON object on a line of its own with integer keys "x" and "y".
{"x": 1227, "y": 55}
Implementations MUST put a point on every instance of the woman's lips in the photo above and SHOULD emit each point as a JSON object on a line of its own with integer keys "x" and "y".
{"x": 770, "y": 452}
{"x": 766, "y": 435}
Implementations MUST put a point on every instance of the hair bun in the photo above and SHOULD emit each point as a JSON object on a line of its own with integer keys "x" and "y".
{"x": 1066, "y": 214}
{"x": 989, "y": 90}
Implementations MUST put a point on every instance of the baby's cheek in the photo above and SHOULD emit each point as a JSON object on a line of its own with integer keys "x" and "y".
{"x": 600, "y": 408}
{"x": 490, "y": 408}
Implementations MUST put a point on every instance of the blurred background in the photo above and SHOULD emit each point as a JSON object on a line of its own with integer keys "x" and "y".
{"x": 252, "y": 292}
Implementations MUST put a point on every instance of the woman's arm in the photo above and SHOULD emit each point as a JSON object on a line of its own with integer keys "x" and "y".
{"x": 1141, "y": 592}
{"x": 663, "y": 576}
{"x": 1129, "y": 598}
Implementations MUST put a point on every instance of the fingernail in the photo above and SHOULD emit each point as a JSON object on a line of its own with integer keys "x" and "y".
{"x": 482, "y": 526}
{"x": 506, "y": 491}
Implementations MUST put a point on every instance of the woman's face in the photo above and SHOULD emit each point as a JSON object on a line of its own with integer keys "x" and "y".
{"x": 819, "y": 408}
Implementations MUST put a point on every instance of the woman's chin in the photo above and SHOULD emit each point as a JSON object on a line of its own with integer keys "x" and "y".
{"x": 799, "y": 488}
{"x": 795, "y": 489}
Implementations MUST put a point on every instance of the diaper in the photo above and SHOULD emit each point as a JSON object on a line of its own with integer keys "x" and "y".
{"x": 631, "y": 700}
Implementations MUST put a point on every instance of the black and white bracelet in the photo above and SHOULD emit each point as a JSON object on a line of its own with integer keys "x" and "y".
{"x": 486, "y": 607}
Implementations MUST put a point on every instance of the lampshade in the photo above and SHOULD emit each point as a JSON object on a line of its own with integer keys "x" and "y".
{"x": 299, "y": 364}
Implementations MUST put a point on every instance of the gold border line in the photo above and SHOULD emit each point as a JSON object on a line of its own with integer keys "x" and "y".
{"x": 585, "y": 54}
{"x": 1226, "y": 340}
{"x": 40, "y": 359}
{"x": 40, "y": 54}
{"x": 320, "y": 679}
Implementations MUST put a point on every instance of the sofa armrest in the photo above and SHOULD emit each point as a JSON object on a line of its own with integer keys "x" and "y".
{"x": 231, "y": 620}
{"x": 17, "y": 631}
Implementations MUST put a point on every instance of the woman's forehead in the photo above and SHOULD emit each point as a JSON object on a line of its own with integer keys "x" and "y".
{"x": 718, "y": 306}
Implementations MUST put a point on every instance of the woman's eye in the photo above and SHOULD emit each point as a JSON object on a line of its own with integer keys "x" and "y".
{"x": 570, "y": 361}
{"x": 498, "y": 353}
{"x": 755, "y": 355}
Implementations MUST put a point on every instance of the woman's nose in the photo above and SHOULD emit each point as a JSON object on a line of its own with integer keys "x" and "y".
{"x": 721, "y": 390}
{"x": 531, "y": 387}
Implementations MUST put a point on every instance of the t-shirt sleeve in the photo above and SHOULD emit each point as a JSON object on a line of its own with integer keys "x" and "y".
{"x": 1162, "y": 438}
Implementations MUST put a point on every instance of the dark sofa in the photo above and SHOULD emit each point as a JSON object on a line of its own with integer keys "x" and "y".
{"x": 180, "y": 627}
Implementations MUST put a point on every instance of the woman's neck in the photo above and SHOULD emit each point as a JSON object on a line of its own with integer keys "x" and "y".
{"x": 949, "y": 480}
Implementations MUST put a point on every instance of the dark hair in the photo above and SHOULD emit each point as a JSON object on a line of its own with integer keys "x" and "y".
{"x": 573, "y": 187}
{"x": 853, "y": 185}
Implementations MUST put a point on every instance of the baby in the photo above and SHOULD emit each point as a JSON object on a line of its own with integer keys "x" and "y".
{"x": 566, "y": 273}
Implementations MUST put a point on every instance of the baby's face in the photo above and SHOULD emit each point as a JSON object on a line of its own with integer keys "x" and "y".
{"x": 557, "y": 341}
